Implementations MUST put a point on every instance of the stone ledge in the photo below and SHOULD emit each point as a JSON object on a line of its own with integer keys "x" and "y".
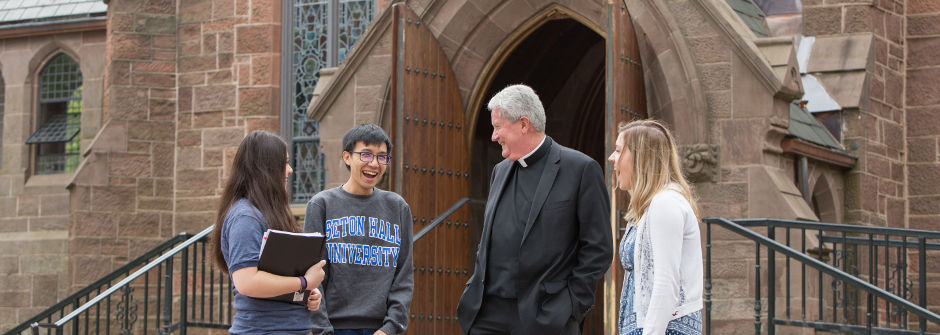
{"x": 49, "y": 183}
{"x": 35, "y": 236}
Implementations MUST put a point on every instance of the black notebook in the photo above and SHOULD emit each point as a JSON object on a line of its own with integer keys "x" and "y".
{"x": 290, "y": 254}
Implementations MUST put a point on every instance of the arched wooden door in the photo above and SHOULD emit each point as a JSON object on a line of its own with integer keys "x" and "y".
{"x": 626, "y": 101}
{"x": 431, "y": 171}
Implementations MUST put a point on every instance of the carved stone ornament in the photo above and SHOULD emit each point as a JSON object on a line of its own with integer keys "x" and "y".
{"x": 700, "y": 162}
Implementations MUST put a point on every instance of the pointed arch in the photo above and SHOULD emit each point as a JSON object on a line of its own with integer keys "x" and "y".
{"x": 44, "y": 54}
{"x": 480, "y": 88}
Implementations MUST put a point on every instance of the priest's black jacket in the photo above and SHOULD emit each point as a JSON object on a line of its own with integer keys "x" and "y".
{"x": 566, "y": 245}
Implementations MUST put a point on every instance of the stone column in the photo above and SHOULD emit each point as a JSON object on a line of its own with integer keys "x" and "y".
{"x": 122, "y": 195}
{"x": 922, "y": 99}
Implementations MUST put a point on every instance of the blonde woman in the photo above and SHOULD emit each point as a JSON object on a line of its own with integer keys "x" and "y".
{"x": 661, "y": 252}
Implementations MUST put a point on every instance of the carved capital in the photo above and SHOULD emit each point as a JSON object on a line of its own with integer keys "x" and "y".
{"x": 700, "y": 162}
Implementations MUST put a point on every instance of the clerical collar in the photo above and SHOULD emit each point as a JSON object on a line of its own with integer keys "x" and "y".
{"x": 535, "y": 154}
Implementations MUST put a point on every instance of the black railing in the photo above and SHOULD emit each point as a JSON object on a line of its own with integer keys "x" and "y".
{"x": 175, "y": 291}
{"x": 83, "y": 295}
{"x": 178, "y": 290}
{"x": 850, "y": 279}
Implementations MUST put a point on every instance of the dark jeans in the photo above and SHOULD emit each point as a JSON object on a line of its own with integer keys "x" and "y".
{"x": 363, "y": 331}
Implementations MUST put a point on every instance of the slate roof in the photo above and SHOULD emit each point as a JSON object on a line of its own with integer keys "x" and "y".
{"x": 28, "y": 11}
{"x": 778, "y": 7}
{"x": 752, "y": 16}
{"x": 805, "y": 127}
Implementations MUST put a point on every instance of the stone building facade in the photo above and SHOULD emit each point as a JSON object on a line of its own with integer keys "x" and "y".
{"x": 170, "y": 87}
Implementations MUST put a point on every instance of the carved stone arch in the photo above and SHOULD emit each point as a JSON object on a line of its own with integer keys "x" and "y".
{"x": 674, "y": 91}
{"x": 475, "y": 100}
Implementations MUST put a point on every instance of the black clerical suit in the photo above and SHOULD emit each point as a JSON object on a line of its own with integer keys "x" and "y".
{"x": 564, "y": 248}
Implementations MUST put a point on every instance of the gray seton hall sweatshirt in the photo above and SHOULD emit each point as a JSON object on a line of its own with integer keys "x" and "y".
{"x": 369, "y": 274}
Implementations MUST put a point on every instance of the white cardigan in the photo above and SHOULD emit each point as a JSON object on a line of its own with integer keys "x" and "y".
{"x": 668, "y": 258}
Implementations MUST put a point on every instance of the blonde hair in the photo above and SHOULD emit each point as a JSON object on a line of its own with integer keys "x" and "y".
{"x": 655, "y": 165}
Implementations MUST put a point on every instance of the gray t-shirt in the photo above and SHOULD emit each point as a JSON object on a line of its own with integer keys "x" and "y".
{"x": 369, "y": 274}
{"x": 241, "y": 243}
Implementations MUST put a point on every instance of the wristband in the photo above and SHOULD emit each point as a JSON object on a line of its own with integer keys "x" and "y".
{"x": 303, "y": 283}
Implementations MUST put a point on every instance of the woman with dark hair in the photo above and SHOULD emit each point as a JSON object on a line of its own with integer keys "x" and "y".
{"x": 661, "y": 253}
{"x": 255, "y": 199}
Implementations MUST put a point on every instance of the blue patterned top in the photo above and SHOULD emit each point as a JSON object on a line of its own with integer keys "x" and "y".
{"x": 626, "y": 318}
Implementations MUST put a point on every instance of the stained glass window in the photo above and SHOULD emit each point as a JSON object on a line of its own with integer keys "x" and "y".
{"x": 323, "y": 33}
{"x": 354, "y": 18}
{"x": 60, "y": 109}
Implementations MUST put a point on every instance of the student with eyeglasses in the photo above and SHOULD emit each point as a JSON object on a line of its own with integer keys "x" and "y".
{"x": 369, "y": 274}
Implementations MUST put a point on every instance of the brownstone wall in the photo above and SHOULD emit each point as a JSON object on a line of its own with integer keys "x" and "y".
{"x": 875, "y": 188}
{"x": 922, "y": 99}
{"x": 897, "y": 180}
{"x": 34, "y": 209}
{"x": 229, "y": 74}
{"x": 184, "y": 83}
{"x": 923, "y": 114}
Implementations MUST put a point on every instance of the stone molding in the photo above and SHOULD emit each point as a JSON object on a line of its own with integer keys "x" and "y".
{"x": 700, "y": 162}
{"x": 797, "y": 146}
{"x": 781, "y": 56}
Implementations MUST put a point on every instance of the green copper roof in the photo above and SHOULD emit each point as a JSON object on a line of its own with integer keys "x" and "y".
{"x": 752, "y": 16}
{"x": 805, "y": 127}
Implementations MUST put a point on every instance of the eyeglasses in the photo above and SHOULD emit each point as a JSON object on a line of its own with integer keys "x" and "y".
{"x": 368, "y": 157}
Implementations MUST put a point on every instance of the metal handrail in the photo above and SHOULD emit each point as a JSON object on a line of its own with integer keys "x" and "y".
{"x": 125, "y": 284}
{"x": 127, "y": 280}
{"x": 922, "y": 312}
{"x": 123, "y": 270}
{"x": 812, "y": 225}
{"x": 164, "y": 258}
{"x": 441, "y": 218}
{"x": 877, "y": 243}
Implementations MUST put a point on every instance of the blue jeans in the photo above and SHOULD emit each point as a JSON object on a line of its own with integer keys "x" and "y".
{"x": 363, "y": 331}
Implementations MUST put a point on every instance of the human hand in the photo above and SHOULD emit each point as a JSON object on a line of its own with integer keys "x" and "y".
{"x": 313, "y": 301}
{"x": 379, "y": 332}
{"x": 314, "y": 274}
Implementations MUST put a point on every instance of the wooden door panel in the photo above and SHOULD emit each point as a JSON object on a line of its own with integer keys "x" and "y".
{"x": 626, "y": 101}
{"x": 431, "y": 170}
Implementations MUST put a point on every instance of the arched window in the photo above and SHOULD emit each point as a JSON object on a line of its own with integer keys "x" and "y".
{"x": 323, "y": 33}
{"x": 56, "y": 139}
